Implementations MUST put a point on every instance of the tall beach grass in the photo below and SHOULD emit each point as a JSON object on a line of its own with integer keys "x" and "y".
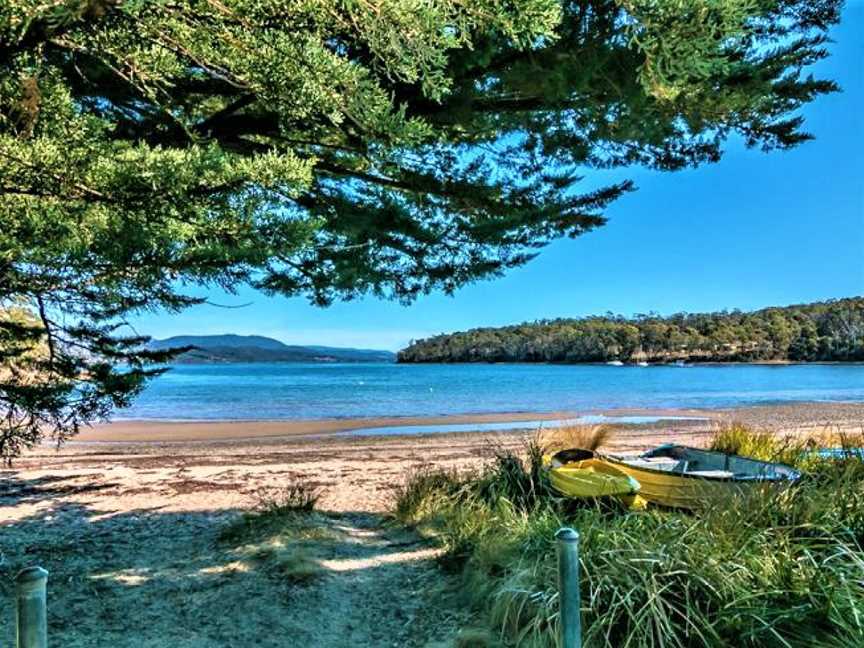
{"x": 773, "y": 567}
{"x": 282, "y": 533}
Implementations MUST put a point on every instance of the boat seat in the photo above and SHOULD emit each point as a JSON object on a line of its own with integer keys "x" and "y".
{"x": 712, "y": 473}
{"x": 650, "y": 461}
{"x": 655, "y": 463}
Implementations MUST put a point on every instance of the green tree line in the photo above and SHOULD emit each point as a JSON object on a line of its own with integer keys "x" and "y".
{"x": 823, "y": 331}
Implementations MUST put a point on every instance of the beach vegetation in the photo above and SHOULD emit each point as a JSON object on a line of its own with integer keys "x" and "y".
{"x": 764, "y": 568}
{"x": 563, "y": 437}
{"x": 282, "y": 534}
{"x": 274, "y": 509}
{"x": 298, "y": 496}
{"x": 150, "y": 151}
{"x": 737, "y": 438}
{"x": 476, "y": 638}
{"x": 291, "y": 564}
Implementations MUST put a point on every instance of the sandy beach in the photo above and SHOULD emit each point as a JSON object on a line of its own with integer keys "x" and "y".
{"x": 160, "y": 431}
{"x": 220, "y": 466}
{"x": 796, "y": 416}
{"x": 130, "y": 513}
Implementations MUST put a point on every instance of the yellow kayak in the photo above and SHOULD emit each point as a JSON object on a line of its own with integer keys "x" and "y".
{"x": 582, "y": 474}
{"x": 688, "y": 478}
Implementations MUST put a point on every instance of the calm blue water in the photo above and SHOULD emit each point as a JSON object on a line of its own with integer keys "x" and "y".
{"x": 497, "y": 426}
{"x": 308, "y": 391}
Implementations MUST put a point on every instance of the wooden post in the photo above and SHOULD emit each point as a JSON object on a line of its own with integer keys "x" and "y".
{"x": 32, "y": 609}
{"x": 570, "y": 619}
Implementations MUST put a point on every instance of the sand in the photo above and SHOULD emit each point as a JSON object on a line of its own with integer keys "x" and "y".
{"x": 127, "y": 521}
{"x": 798, "y": 416}
{"x": 155, "y": 431}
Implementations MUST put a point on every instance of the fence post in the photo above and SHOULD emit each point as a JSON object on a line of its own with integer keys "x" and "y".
{"x": 570, "y": 619}
{"x": 32, "y": 608}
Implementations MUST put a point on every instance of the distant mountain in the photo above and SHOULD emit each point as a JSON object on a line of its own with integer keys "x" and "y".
{"x": 256, "y": 348}
{"x": 227, "y": 341}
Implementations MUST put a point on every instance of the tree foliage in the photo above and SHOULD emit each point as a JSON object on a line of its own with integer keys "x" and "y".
{"x": 826, "y": 331}
{"x": 331, "y": 148}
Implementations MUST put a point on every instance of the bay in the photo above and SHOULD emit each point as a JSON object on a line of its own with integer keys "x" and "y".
{"x": 314, "y": 391}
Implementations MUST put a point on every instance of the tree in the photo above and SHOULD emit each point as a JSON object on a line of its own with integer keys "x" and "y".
{"x": 832, "y": 330}
{"x": 332, "y": 148}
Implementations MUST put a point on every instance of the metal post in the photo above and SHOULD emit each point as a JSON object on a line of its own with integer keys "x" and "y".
{"x": 570, "y": 620}
{"x": 32, "y": 611}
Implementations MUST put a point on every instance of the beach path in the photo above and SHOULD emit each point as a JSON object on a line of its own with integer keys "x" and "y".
{"x": 148, "y": 579}
{"x": 383, "y": 589}
{"x": 136, "y": 546}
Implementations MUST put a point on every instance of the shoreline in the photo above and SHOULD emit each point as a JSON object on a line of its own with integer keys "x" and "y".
{"x": 627, "y": 363}
{"x": 220, "y": 467}
{"x": 802, "y": 414}
{"x": 142, "y": 431}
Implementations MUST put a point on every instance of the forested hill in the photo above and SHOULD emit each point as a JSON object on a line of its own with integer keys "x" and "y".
{"x": 823, "y": 331}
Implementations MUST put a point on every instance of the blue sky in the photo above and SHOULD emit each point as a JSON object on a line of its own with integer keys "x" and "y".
{"x": 754, "y": 230}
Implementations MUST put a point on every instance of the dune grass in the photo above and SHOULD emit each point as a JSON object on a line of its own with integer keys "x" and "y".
{"x": 775, "y": 567}
{"x": 274, "y": 509}
{"x": 476, "y": 638}
{"x": 282, "y": 533}
{"x": 586, "y": 437}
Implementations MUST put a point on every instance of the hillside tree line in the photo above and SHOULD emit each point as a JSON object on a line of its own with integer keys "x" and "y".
{"x": 823, "y": 331}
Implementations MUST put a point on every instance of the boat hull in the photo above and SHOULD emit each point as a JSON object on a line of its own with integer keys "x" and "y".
{"x": 591, "y": 478}
{"x": 700, "y": 476}
{"x": 678, "y": 491}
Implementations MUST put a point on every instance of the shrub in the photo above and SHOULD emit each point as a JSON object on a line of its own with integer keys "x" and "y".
{"x": 521, "y": 482}
{"x": 423, "y": 492}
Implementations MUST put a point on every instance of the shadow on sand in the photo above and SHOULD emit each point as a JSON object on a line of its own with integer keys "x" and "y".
{"x": 148, "y": 577}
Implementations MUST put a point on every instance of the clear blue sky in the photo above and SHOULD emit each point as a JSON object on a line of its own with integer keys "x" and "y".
{"x": 754, "y": 230}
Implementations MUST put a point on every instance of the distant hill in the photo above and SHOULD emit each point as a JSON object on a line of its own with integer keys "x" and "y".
{"x": 822, "y": 331}
{"x": 256, "y": 348}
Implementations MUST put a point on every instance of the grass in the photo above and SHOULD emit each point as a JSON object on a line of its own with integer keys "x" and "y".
{"x": 273, "y": 509}
{"x": 586, "y": 437}
{"x": 476, "y": 638}
{"x": 740, "y": 439}
{"x": 289, "y": 562}
{"x": 282, "y": 533}
{"x": 295, "y": 497}
{"x": 778, "y": 568}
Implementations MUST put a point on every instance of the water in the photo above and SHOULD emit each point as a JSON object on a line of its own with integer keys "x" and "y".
{"x": 498, "y": 426}
{"x": 310, "y": 391}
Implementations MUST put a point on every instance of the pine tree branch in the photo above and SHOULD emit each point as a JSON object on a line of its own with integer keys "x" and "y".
{"x": 42, "y": 30}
